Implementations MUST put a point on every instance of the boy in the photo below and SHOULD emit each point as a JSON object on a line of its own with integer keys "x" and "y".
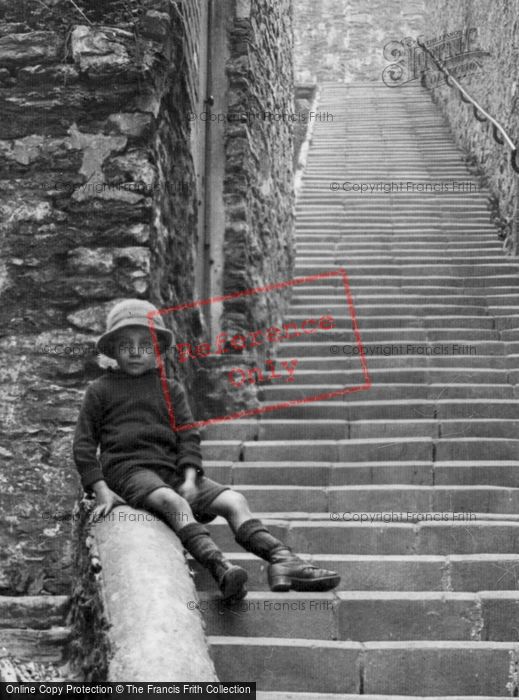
{"x": 144, "y": 463}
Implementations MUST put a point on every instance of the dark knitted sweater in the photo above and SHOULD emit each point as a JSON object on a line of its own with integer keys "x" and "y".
{"x": 128, "y": 418}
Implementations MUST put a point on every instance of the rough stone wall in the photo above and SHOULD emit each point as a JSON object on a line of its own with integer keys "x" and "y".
{"x": 259, "y": 177}
{"x": 98, "y": 203}
{"x": 343, "y": 40}
{"x": 494, "y": 86}
{"x": 90, "y": 649}
{"x": 258, "y": 182}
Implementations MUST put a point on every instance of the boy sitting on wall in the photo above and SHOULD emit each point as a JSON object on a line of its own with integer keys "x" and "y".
{"x": 145, "y": 463}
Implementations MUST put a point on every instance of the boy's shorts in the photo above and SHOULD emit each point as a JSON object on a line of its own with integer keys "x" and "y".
{"x": 134, "y": 483}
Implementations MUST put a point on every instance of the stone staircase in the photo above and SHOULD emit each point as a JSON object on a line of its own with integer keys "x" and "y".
{"x": 428, "y": 456}
{"x": 33, "y": 638}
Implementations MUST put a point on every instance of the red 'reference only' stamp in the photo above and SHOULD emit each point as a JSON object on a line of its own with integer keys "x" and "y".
{"x": 238, "y": 376}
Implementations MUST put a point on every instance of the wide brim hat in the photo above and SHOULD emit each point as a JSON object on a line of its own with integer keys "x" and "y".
{"x": 132, "y": 312}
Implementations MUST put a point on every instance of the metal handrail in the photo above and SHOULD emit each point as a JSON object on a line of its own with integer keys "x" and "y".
{"x": 499, "y": 134}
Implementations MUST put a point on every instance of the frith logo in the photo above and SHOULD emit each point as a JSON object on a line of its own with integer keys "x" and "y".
{"x": 457, "y": 51}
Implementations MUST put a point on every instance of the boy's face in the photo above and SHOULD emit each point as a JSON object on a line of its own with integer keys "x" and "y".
{"x": 134, "y": 350}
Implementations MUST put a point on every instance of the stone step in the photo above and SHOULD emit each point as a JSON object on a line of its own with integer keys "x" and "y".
{"x": 357, "y": 244}
{"x": 334, "y": 295}
{"x": 288, "y": 664}
{"x": 42, "y": 645}
{"x": 397, "y": 310}
{"x": 337, "y": 429}
{"x": 381, "y": 498}
{"x": 491, "y": 428}
{"x": 378, "y": 255}
{"x": 346, "y": 450}
{"x": 322, "y": 535}
{"x": 367, "y": 305}
{"x": 313, "y": 265}
{"x": 369, "y": 251}
{"x": 281, "y": 695}
{"x": 456, "y": 473}
{"x": 476, "y": 472}
{"x": 377, "y": 221}
{"x": 404, "y": 310}
{"x": 448, "y": 667}
{"x": 294, "y": 335}
{"x": 434, "y": 362}
{"x": 417, "y": 332}
{"x": 393, "y": 361}
{"x": 367, "y": 449}
{"x": 378, "y": 237}
{"x": 292, "y": 392}
{"x": 390, "y": 251}
{"x": 373, "y": 278}
{"x": 412, "y": 375}
{"x": 36, "y": 612}
{"x": 320, "y": 225}
{"x": 418, "y": 572}
{"x": 307, "y": 252}
{"x": 429, "y": 292}
{"x": 407, "y": 320}
{"x": 335, "y": 209}
{"x": 397, "y": 345}
{"x": 356, "y": 407}
{"x": 412, "y": 227}
{"x": 367, "y": 615}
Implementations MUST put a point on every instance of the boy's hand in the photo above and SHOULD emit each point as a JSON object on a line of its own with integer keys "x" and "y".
{"x": 188, "y": 489}
{"x": 106, "y": 499}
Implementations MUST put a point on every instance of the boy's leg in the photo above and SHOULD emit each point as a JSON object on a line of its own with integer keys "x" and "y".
{"x": 286, "y": 570}
{"x": 196, "y": 539}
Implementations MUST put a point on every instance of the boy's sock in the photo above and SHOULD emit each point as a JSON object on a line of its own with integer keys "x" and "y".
{"x": 253, "y": 536}
{"x": 230, "y": 578}
{"x": 286, "y": 569}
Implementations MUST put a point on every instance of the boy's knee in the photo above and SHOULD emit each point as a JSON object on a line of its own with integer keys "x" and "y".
{"x": 165, "y": 499}
{"x": 237, "y": 500}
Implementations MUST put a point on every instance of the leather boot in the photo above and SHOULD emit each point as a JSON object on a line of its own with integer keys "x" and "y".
{"x": 229, "y": 577}
{"x": 287, "y": 571}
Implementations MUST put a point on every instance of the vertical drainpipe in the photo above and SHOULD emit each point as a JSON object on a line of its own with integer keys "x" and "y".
{"x": 209, "y": 101}
{"x": 220, "y": 17}
{"x": 515, "y": 217}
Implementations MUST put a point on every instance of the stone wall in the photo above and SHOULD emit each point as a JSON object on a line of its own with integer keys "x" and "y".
{"x": 89, "y": 649}
{"x": 494, "y": 86}
{"x": 98, "y": 201}
{"x": 343, "y": 40}
{"x": 258, "y": 182}
{"x": 258, "y": 244}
